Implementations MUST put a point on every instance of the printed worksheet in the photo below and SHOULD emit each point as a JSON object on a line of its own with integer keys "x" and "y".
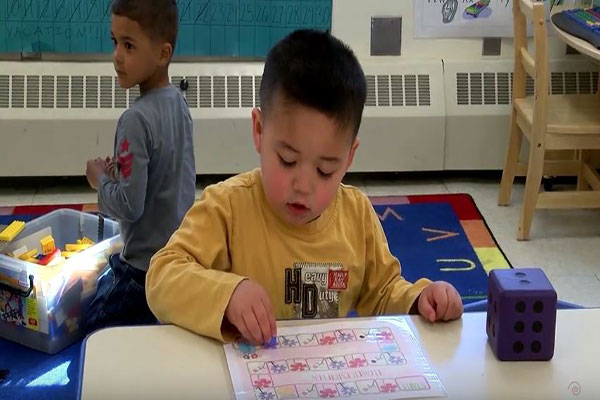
{"x": 362, "y": 359}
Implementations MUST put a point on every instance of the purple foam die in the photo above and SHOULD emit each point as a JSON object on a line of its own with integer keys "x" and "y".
{"x": 521, "y": 314}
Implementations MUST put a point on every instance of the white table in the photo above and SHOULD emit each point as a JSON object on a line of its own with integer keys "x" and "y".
{"x": 166, "y": 362}
{"x": 580, "y": 45}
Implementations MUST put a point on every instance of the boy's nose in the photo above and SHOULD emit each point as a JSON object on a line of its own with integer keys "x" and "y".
{"x": 117, "y": 56}
{"x": 301, "y": 183}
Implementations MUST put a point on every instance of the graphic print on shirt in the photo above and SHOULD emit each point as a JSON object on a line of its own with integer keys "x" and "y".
{"x": 125, "y": 159}
{"x": 313, "y": 289}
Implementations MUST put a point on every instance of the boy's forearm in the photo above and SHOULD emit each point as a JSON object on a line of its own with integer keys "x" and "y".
{"x": 113, "y": 201}
{"x": 124, "y": 196}
{"x": 403, "y": 296}
{"x": 396, "y": 297}
{"x": 186, "y": 294}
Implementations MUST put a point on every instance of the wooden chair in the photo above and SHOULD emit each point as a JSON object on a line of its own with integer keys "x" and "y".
{"x": 548, "y": 122}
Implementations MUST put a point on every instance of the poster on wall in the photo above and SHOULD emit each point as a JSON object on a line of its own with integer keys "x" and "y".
{"x": 465, "y": 18}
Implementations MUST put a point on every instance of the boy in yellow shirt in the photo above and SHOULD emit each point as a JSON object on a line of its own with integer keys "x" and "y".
{"x": 289, "y": 240}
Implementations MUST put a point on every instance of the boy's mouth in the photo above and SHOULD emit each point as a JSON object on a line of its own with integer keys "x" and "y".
{"x": 297, "y": 208}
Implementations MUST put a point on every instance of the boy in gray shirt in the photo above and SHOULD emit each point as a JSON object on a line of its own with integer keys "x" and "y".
{"x": 149, "y": 185}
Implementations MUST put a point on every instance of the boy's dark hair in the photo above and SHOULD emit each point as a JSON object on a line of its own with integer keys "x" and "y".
{"x": 317, "y": 70}
{"x": 158, "y": 18}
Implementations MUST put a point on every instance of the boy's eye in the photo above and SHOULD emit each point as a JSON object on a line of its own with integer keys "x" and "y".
{"x": 114, "y": 41}
{"x": 324, "y": 174}
{"x": 286, "y": 163}
{"x": 128, "y": 46}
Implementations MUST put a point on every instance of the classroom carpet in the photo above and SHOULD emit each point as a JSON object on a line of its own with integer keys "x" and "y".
{"x": 440, "y": 237}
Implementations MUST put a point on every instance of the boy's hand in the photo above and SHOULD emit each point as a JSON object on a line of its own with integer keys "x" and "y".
{"x": 111, "y": 168}
{"x": 440, "y": 301}
{"x": 249, "y": 310}
{"x": 95, "y": 169}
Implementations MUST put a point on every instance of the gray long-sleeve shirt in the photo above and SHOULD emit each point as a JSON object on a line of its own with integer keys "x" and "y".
{"x": 156, "y": 180}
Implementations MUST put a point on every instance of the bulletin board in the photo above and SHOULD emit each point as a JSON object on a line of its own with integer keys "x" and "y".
{"x": 220, "y": 28}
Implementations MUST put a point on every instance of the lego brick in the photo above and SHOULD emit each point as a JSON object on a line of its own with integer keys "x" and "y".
{"x": 29, "y": 254}
{"x": 49, "y": 257}
{"x": 12, "y": 230}
{"x": 47, "y": 243}
{"x": 77, "y": 247}
{"x": 86, "y": 240}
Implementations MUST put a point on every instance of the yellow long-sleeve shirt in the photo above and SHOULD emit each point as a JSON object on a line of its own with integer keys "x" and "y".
{"x": 324, "y": 269}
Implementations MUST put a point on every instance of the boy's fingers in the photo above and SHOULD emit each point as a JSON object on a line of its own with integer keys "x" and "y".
{"x": 241, "y": 326}
{"x": 456, "y": 301}
{"x": 273, "y": 325}
{"x": 441, "y": 303}
{"x": 246, "y": 335}
{"x": 263, "y": 321}
{"x": 426, "y": 309}
{"x": 450, "y": 308}
{"x": 252, "y": 327}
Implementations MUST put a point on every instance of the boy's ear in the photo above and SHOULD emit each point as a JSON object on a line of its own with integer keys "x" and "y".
{"x": 257, "y": 129}
{"x": 352, "y": 152}
{"x": 166, "y": 53}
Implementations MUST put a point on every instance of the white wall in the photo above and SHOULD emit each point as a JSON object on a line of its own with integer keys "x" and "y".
{"x": 444, "y": 135}
{"x": 351, "y": 22}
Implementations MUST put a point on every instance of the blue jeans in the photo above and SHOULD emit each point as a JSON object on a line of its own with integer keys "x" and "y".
{"x": 121, "y": 298}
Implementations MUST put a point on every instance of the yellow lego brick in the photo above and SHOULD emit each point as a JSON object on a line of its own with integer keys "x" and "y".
{"x": 68, "y": 254}
{"x": 86, "y": 240}
{"x": 12, "y": 230}
{"x": 32, "y": 260}
{"x": 48, "y": 245}
{"x": 76, "y": 247}
{"x": 29, "y": 254}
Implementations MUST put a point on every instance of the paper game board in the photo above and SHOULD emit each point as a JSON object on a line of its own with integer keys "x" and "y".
{"x": 362, "y": 359}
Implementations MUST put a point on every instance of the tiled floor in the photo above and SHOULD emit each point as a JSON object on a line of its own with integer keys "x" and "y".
{"x": 566, "y": 244}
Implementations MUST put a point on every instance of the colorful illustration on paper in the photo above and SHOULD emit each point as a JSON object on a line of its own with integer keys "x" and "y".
{"x": 361, "y": 359}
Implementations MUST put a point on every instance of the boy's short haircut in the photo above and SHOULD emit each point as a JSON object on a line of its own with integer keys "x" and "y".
{"x": 317, "y": 70}
{"x": 159, "y": 19}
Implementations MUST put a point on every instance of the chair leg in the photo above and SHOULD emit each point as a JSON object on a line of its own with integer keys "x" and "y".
{"x": 510, "y": 163}
{"x": 584, "y": 157}
{"x": 535, "y": 171}
{"x": 598, "y": 85}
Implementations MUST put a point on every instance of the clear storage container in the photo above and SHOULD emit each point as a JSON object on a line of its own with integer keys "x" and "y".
{"x": 44, "y": 307}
